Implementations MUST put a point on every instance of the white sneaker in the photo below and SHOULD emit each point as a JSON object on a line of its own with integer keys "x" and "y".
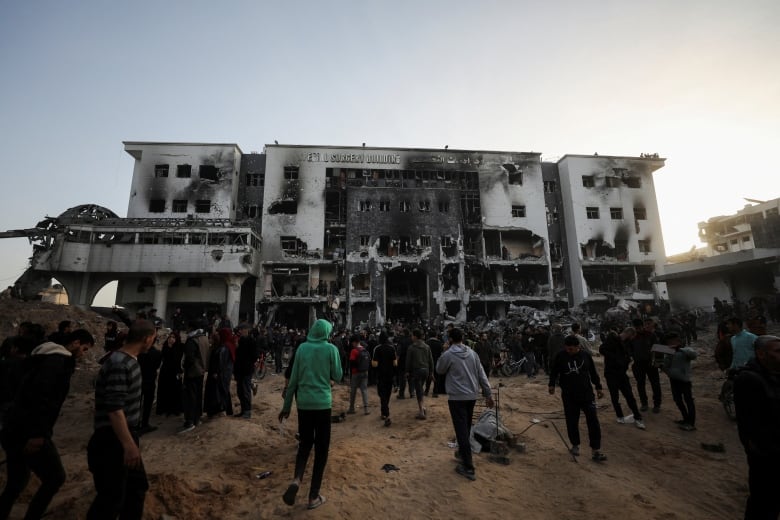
{"x": 640, "y": 424}
{"x": 628, "y": 419}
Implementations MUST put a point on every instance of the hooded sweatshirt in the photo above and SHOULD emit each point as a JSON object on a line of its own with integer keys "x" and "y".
{"x": 317, "y": 362}
{"x": 42, "y": 391}
{"x": 464, "y": 375}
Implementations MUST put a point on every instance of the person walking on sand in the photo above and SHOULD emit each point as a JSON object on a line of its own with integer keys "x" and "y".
{"x": 464, "y": 377}
{"x": 614, "y": 350}
{"x": 113, "y": 451}
{"x": 385, "y": 361}
{"x": 317, "y": 364}
{"x": 360, "y": 363}
{"x": 419, "y": 368}
{"x": 757, "y": 402}
{"x": 29, "y": 425}
{"x": 574, "y": 371}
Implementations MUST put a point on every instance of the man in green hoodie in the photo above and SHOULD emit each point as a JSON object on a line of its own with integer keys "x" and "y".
{"x": 419, "y": 367}
{"x": 317, "y": 363}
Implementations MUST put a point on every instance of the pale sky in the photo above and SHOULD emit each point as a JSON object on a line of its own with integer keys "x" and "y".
{"x": 696, "y": 81}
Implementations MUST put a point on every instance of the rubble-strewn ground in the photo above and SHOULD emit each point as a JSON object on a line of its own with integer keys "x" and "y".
{"x": 661, "y": 473}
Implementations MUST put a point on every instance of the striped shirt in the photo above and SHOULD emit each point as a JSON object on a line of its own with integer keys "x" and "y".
{"x": 118, "y": 387}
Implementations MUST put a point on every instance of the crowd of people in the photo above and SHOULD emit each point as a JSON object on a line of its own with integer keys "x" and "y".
{"x": 191, "y": 374}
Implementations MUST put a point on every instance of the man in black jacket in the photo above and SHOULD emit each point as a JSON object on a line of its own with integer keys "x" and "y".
{"x": 247, "y": 354}
{"x": 757, "y": 402}
{"x": 614, "y": 348}
{"x": 574, "y": 371}
{"x": 27, "y": 433}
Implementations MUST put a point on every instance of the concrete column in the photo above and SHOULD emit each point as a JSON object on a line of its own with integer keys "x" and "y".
{"x": 161, "y": 284}
{"x": 499, "y": 281}
{"x": 233, "y": 296}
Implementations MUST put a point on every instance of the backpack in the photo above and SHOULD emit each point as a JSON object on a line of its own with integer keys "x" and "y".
{"x": 363, "y": 360}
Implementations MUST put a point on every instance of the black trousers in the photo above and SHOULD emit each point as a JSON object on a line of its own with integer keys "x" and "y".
{"x": 46, "y": 465}
{"x": 244, "y": 393}
{"x": 461, "y": 413}
{"x": 384, "y": 387}
{"x": 571, "y": 409}
{"x": 148, "y": 390}
{"x": 763, "y": 482}
{"x": 120, "y": 490}
{"x": 193, "y": 399}
{"x": 619, "y": 384}
{"x": 649, "y": 372}
{"x": 682, "y": 393}
{"x": 313, "y": 430}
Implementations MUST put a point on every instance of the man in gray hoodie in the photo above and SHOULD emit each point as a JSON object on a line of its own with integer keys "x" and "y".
{"x": 464, "y": 377}
{"x": 27, "y": 433}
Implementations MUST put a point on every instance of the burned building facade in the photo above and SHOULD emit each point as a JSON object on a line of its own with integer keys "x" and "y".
{"x": 364, "y": 234}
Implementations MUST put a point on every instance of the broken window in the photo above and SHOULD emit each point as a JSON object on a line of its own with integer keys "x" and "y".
{"x": 518, "y": 211}
{"x": 291, "y": 173}
{"x": 365, "y": 205}
{"x": 444, "y": 206}
{"x": 746, "y": 238}
{"x": 640, "y": 213}
{"x": 202, "y": 206}
{"x": 633, "y": 182}
{"x": 644, "y": 246}
{"x": 384, "y": 245}
{"x": 209, "y": 171}
{"x": 425, "y": 240}
{"x": 148, "y": 238}
{"x": 255, "y": 179}
{"x": 289, "y": 244}
{"x": 179, "y": 206}
{"x": 550, "y": 186}
{"x": 184, "y": 171}
{"x": 612, "y": 182}
{"x": 160, "y": 170}
{"x": 446, "y": 240}
{"x": 616, "y": 213}
{"x": 424, "y": 205}
{"x": 252, "y": 211}
{"x": 472, "y": 211}
{"x": 592, "y": 212}
{"x": 552, "y": 216}
{"x": 555, "y": 252}
{"x": 156, "y": 205}
{"x": 516, "y": 178}
{"x": 621, "y": 249}
{"x": 365, "y": 240}
{"x": 197, "y": 238}
{"x": 588, "y": 181}
{"x": 384, "y": 205}
{"x": 405, "y": 244}
{"x": 405, "y": 206}
{"x": 172, "y": 238}
{"x": 217, "y": 239}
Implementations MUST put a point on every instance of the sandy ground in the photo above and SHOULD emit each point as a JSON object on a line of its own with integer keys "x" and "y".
{"x": 660, "y": 473}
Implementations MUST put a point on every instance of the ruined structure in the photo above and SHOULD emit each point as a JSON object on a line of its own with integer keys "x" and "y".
{"x": 361, "y": 234}
{"x": 740, "y": 260}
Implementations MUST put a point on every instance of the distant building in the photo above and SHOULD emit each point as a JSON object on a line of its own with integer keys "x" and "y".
{"x": 364, "y": 234}
{"x": 740, "y": 260}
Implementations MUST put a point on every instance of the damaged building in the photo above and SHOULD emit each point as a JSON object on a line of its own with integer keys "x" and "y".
{"x": 363, "y": 234}
{"x": 740, "y": 259}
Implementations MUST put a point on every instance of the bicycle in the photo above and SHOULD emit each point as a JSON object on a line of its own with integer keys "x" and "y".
{"x": 726, "y": 396}
{"x": 510, "y": 367}
{"x": 261, "y": 366}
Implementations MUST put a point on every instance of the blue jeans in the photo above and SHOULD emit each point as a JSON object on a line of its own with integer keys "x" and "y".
{"x": 359, "y": 380}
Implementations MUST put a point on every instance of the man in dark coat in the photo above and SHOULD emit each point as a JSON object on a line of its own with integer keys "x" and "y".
{"x": 29, "y": 425}
{"x": 757, "y": 402}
